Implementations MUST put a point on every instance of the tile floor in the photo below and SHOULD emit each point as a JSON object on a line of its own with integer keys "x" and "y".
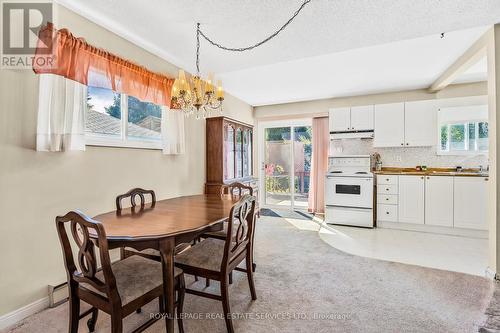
{"x": 453, "y": 253}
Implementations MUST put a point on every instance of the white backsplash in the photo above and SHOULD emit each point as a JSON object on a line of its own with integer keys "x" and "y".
{"x": 405, "y": 157}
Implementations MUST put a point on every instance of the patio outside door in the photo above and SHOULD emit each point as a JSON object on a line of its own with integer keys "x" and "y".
{"x": 285, "y": 153}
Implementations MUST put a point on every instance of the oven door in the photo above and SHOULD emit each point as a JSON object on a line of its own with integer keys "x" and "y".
{"x": 349, "y": 192}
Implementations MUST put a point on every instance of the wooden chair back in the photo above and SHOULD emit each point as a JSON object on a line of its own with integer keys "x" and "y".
{"x": 240, "y": 228}
{"x": 236, "y": 190}
{"x": 133, "y": 194}
{"x": 80, "y": 227}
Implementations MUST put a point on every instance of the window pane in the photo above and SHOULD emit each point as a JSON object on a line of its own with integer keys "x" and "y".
{"x": 144, "y": 120}
{"x": 229, "y": 142}
{"x": 472, "y": 137}
{"x": 246, "y": 165}
{"x": 457, "y": 137}
{"x": 482, "y": 141}
{"x": 103, "y": 112}
{"x": 444, "y": 138}
{"x": 239, "y": 153}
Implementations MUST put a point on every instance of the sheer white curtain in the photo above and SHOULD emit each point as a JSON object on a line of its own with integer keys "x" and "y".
{"x": 61, "y": 114}
{"x": 172, "y": 131}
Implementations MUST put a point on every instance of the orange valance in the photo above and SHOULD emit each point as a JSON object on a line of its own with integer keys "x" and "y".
{"x": 77, "y": 60}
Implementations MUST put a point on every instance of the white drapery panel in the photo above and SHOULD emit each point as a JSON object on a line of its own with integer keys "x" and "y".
{"x": 172, "y": 131}
{"x": 61, "y": 114}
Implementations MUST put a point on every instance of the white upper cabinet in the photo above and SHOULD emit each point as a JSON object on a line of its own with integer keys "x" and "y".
{"x": 389, "y": 125}
{"x": 410, "y": 124}
{"x": 420, "y": 123}
{"x": 340, "y": 119}
{"x": 439, "y": 201}
{"x": 470, "y": 202}
{"x": 362, "y": 118}
{"x": 411, "y": 199}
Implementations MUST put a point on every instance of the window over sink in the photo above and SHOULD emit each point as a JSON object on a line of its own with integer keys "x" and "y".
{"x": 463, "y": 130}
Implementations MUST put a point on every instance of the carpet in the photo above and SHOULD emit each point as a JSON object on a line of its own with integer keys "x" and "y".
{"x": 304, "y": 285}
{"x": 286, "y": 213}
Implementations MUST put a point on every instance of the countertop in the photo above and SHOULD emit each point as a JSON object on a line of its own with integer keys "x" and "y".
{"x": 432, "y": 172}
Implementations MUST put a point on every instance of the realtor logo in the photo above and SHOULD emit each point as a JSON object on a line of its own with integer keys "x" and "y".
{"x": 21, "y": 23}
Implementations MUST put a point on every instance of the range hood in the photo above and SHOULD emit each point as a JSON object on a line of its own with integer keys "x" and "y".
{"x": 366, "y": 134}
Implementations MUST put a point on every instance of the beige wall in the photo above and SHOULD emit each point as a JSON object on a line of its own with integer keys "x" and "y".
{"x": 320, "y": 107}
{"x": 37, "y": 186}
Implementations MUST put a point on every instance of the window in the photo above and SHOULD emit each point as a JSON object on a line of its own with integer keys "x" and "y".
{"x": 119, "y": 120}
{"x": 463, "y": 130}
{"x": 464, "y": 138}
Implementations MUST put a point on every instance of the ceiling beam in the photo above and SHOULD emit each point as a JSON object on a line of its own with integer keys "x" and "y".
{"x": 466, "y": 60}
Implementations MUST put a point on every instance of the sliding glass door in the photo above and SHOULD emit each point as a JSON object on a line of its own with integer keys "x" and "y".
{"x": 285, "y": 151}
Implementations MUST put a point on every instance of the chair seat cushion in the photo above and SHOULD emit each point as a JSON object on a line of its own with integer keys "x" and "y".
{"x": 206, "y": 254}
{"x": 135, "y": 276}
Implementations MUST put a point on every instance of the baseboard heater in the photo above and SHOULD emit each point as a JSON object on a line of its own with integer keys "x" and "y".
{"x": 58, "y": 294}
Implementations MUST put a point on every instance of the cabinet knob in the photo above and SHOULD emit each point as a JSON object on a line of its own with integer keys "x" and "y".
{"x": 387, "y": 179}
{"x": 386, "y": 199}
{"x": 428, "y": 177}
{"x": 387, "y": 189}
{"x": 407, "y": 143}
{"x": 401, "y": 144}
{"x": 387, "y": 213}
{"x": 486, "y": 179}
{"x": 421, "y": 177}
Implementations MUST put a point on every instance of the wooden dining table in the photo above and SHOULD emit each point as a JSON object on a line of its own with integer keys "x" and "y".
{"x": 162, "y": 226}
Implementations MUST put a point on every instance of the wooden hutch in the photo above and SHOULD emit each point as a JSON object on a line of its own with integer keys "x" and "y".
{"x": 229, "y": 153}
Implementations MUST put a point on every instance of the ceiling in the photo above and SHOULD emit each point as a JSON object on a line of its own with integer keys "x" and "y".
{"x": 476, "y": 72}
{"x": 333, "y": 48}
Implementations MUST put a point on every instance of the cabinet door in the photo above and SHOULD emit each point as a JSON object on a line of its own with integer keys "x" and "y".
{"x": 411, "y": 199}
{"x": 239, "y": 152}
{"x": 389, "y": 125}
{"x": 470, "y": 202}
{"x": 229, "y": 166}
{"x": 340, "y": 119}
{"x": 420, "y": 123}
{"x": 362, "y": 118}
{"x": 439, "y": 201}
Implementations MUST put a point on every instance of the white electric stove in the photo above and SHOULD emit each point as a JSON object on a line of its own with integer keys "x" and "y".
{"x": 349, "y": 191}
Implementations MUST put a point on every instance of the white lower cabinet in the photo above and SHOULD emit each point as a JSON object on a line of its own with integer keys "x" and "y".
{"x": 470, "y": 197}
{"x": 411, "y": 199}
{"x": 439, "y": 200}
{"x": 387, "y": 213}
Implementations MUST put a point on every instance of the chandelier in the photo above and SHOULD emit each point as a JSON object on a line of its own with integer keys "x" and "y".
{"x": 195, "y": 95}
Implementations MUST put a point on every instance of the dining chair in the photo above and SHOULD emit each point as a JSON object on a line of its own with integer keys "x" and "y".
{"x": 118, "y": 289}
{"x": 236, "y": 190}
{"x": 140, "y": 193}
{"x": 215, "y": 258}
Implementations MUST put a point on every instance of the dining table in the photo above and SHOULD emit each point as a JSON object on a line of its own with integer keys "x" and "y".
{"x": 163, "y": 225}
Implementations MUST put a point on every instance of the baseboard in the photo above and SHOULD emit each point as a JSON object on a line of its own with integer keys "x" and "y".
{"x": 15, "y": 316}
{"x": 434, "y": 229}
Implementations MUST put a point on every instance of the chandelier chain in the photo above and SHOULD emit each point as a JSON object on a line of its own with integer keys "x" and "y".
{"x": 241, "y": 49}
{"x": 198, "y": 31}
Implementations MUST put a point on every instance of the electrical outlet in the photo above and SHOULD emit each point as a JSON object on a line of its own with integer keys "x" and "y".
{"x": 398, "y": 158}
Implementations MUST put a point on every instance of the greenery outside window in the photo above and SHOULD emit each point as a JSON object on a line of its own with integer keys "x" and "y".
{"x": 463, "y": 138}
{"x": 119, "y": 120}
